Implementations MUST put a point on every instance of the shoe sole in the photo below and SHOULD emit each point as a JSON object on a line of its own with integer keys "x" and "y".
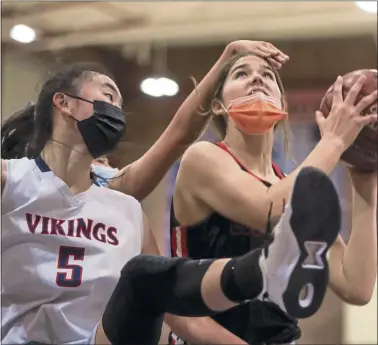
{"x": 315, "y": 223}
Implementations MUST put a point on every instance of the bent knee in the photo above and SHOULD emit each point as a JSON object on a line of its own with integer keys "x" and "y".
{"x": 151, "y": 265}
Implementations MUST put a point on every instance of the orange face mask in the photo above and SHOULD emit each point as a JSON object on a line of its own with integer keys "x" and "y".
{"x": 255, "y": 114}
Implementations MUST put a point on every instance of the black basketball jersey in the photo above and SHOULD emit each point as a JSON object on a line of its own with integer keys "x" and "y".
{"x": 219, "y": 237}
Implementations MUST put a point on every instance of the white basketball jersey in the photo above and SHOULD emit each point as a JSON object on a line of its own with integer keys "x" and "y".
{"x": 61, "y": 254}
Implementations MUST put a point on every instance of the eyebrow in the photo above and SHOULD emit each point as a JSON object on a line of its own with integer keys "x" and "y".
{"x": 237, "y": 67}
{"x": 268, "y": 68}
{"x": 111, "y": 87}
{"x": 265, "y": 67}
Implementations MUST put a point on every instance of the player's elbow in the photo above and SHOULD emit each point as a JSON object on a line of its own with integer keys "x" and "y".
{"x": 358, "y": 300}
{"x": 362, "y": 297}
{"x": 357, "y": 297}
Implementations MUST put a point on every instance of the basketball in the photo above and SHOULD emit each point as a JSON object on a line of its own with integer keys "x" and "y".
{"x": 362, "y": 154}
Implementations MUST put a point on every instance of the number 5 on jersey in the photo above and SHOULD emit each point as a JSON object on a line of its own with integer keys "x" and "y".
{"x": 73, "y": 277}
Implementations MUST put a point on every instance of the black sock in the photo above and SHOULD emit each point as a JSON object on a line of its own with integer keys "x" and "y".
{"x": 242, "y": 278}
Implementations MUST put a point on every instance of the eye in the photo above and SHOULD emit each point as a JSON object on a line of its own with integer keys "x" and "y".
{"x": 240, "y": 74}
{"x": 269, "y": 75}
{"x": 110, "y": 96}
{"x": 100, "y": 160}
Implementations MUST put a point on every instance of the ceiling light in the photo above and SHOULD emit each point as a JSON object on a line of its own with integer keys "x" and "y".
{"x": 158, "y": 87}
{"x": 367, "y": 6}
{"x": 22, "y": 33}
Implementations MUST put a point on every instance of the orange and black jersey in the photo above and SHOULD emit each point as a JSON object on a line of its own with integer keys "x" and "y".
{"x": 219, "y": 237}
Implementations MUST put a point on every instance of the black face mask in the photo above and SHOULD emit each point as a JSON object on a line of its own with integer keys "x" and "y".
{"x": 104, "y": 129}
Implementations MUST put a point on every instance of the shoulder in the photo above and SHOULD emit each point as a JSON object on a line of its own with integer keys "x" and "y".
{"x": 116, "y": 199}
{"x": 118, "y": 204}
{"x": 109, "y": 193}
{"x": 16, "y": 168}
{"x": 204, "y": 166}
{"x": 201, "y": 149}
{"x": 18, "y": 182}
{"x": 204, "y": 154}
{"x": 17, "y": 162}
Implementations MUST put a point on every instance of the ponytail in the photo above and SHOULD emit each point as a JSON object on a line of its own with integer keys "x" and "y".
{"x": 16, "y": 134}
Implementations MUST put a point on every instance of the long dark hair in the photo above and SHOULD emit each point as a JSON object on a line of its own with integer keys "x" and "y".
{"x": 17, "y": 133}
{"x": 25, "y": 133}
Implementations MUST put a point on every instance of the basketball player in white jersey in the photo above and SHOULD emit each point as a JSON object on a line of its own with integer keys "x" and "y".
{"x": 64, "y": 240}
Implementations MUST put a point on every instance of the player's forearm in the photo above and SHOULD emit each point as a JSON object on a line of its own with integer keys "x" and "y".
{"x": 188, "y": 123}
{"x": 144, "y": 175}
{"x": 201, "y": 330}
{"x": 325, "y": 157}
{"x": 359, "y": 264}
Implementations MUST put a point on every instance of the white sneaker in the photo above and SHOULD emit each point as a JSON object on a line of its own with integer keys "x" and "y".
{"x": 296, "y": 259}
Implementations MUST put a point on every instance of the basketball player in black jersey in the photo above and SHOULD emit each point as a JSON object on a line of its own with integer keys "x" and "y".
{"x": 222, "y": 191}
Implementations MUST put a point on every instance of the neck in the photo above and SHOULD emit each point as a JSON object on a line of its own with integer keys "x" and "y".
{"x": 69, "y": 165}
{"x": 254, "y": 151}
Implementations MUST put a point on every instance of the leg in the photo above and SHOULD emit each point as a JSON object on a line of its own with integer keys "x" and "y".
{"x": 296, "y": 259}
{"x": 150, "y": 286}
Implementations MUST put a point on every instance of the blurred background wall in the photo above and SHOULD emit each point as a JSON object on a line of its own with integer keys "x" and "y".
{"x": 178, "y": 40}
